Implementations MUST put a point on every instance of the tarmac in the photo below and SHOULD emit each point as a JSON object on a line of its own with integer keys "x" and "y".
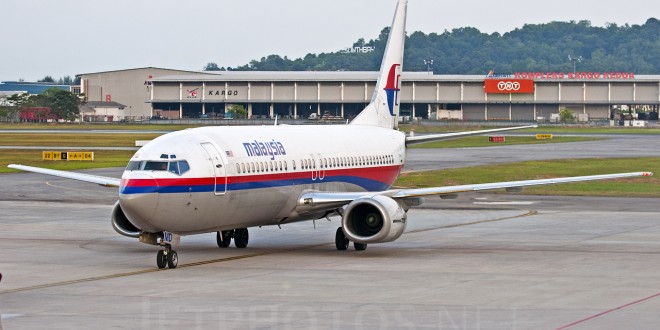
{"x": 483, "y": 261}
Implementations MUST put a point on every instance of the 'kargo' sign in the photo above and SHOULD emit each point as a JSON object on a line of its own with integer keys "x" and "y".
{"x": 509, "y": 86}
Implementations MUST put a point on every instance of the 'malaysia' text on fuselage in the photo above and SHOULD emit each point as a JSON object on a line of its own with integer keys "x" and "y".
{"x": 271, "y": 149}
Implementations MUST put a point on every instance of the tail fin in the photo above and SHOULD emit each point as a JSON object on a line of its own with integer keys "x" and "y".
{"x": 383, "y": 110}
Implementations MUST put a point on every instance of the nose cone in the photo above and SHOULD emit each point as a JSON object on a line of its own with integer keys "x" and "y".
{"x": 138, "y": 197}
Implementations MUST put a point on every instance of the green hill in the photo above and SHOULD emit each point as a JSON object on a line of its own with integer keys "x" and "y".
{"x": 532, "y": 48}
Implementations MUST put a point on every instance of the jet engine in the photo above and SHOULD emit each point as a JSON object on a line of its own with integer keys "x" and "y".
{"x": 376, "y": 219}
{"x": 121, "y": 224}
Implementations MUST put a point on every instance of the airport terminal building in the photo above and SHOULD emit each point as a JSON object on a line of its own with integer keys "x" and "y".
{"x": 527, "y": 96}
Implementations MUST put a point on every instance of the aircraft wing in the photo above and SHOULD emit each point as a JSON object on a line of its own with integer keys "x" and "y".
{"x": 102, "y": 180}
{"x": 336, "y": 199}
{"x": 420, "y": 192}
{"x": 410, "y": 140}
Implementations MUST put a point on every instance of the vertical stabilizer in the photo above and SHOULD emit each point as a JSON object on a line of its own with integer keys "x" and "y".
{"x": 383, "y": 110}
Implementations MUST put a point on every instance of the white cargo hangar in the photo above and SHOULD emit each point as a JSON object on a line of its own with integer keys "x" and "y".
{"x": 185, "y": 94}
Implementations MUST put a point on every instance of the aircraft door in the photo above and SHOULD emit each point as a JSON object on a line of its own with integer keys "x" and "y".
{"x": 218, "y": 164}
{"x": 321, "y": 167}
{"x": 318, "y": 173}
{"x": 314, "y": 166}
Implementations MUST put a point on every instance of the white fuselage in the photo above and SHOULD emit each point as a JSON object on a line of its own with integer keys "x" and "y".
{"x": 242, "y": 176}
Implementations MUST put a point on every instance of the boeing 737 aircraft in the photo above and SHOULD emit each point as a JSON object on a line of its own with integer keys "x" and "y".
{"x": 227, "y": 179}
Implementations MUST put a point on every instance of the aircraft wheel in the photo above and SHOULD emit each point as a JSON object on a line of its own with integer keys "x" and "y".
{"x": 224, "y": 238}
{"x": 341, "y": 242}
{"x": 172, "y": 259}
{"x": 360, "y": 246}
{"x": 161, "y": 259}
{"x": 241, "y": 237}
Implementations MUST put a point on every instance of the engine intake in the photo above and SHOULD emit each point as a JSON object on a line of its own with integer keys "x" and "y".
{"x": 121, "y": 224}
{"x": 376, "y": 219}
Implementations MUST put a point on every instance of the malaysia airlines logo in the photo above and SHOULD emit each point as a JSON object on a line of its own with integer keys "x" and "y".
{"x": 392, "y": 87}
{"x": 267, "y": 148}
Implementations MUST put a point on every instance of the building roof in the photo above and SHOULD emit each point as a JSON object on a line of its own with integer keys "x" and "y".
{"x": 358, "y": 76}
{"x": 15, "y": 87}
{"x": 134, "y": 69}
{"x": 102, "y": 104}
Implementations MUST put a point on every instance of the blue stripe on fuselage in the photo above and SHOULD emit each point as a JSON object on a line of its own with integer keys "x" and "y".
{"x": 367, "y": 184}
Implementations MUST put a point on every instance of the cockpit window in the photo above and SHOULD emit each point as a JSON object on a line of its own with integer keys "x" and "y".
{"x": 134, "y": 165}
{"x": 179, "y": 167}
{"x": 183, "y": 167}
{"x": 155, "y": 166}
{"x": 174, "y": 167}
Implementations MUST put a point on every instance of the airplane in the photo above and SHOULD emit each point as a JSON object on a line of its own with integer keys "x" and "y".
{"x": 228, "y": 179}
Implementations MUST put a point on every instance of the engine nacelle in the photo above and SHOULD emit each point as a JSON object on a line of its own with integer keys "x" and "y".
{"x": 121, "y": 224}
{"x": 375, "y": 219}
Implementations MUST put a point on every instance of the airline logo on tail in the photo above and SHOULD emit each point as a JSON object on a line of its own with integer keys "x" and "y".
{"x": 392, "y": 87}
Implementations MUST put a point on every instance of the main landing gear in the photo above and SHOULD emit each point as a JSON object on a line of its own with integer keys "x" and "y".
{"x": 240, "y": 236}
{"x": 167, "y": 258}
{"x": 341, "y": 242}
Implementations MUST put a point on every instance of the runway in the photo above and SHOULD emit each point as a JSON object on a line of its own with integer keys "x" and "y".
{"x": 480, "y": 262}
{"x": 543, "y": 265}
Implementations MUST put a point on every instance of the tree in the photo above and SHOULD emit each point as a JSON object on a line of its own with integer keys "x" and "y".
{"x": 63, "y": 103}
{"x": 210, "y": 66}
{"x": 47, "y": 79}
{"x": 237, "y": 111}
{"x": 566, "y": 116}
{"x": 531, "y": 48}
{"x": 11, "y": 105}
{"x": 66, "y": 80}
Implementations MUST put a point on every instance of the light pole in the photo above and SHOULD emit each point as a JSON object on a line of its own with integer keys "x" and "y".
{"x": 574, "y": 60}
{"x": 428, "y": 65}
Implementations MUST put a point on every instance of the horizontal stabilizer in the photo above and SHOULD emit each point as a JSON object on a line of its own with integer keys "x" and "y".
{"x": 410, "y": 140}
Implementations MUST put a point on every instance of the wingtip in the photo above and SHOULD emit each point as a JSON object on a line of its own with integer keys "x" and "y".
{"x": 647, "y": 174}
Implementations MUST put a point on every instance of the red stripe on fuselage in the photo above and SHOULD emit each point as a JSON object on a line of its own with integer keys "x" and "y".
{"x": 385, "y": 174}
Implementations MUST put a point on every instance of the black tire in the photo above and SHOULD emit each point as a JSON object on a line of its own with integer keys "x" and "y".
{"x": 224, "y": 238}
{"x": 161, "y": 259}
{"x": 241, "y": 237}
{"x": 341, "y": 242}
{"x": 172, "y": 259}
{"x": 360, "y": 246}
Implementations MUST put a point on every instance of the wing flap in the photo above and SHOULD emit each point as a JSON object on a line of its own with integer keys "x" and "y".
{"x": 101, "y": 180}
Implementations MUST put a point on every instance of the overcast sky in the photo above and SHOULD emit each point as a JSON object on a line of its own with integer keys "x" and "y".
{"x": 68, "y": 37}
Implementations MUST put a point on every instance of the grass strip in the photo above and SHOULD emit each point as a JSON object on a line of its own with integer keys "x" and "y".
{"x": 102, "y": 159}
{"x": 73, "y": 139}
